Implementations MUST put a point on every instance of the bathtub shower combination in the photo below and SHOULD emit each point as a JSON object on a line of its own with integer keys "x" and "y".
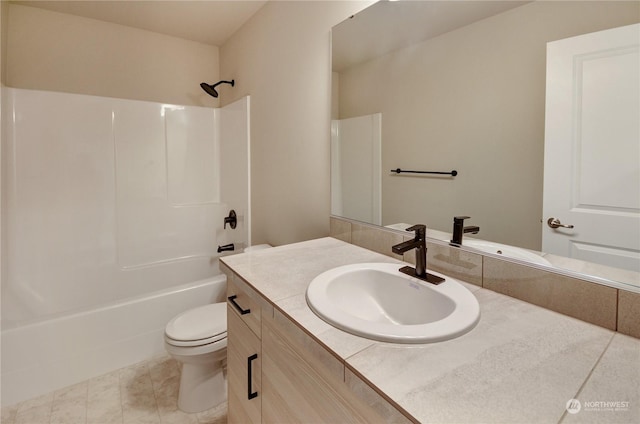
{"x": 112, "y": 214}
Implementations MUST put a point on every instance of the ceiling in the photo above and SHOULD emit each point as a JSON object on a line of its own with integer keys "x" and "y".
{"x": 388, "y": 26}
{"x": 205, "y": 21}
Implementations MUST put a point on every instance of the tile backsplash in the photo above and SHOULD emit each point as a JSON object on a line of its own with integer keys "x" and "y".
{"x": 580, "y": 299}
{"x": 608, "y": 307}
{"x": 629, "y": 313}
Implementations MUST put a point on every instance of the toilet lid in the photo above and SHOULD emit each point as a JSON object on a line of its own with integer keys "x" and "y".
{"x": 199, "y": 323}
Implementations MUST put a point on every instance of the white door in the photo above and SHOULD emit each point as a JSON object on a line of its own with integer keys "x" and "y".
{"x": 592, "y": 148}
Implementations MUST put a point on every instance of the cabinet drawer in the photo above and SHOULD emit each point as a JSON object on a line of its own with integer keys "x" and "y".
{"x": 244, "y": 367}
{"x": 245, "y": 303}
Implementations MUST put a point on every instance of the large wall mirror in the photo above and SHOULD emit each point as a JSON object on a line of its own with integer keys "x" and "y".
{"x": 438, "y": 86}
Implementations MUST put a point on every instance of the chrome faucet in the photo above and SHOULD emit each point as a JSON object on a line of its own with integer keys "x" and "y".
{"x": 459, "y": 229}
{"x": 418, "y": 243}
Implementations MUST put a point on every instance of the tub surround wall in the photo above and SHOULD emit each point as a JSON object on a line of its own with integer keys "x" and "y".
{"x": 608, "y": 307}
{"x": 517, "y": 351}
{"x": 235, "y": 175}
{"x": 356, "y": 168}
{"x": 105, "y": 199}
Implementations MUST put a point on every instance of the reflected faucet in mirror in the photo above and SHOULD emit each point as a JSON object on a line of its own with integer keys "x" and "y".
{"x": 459, "y": 229}
{"x": 418, "y": 243}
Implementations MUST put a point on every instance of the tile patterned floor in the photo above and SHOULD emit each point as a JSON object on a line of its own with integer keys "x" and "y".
{"x": 146, "y": 393}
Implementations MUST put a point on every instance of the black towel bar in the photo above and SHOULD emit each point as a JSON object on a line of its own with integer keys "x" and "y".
{"x": 398, "y": 171}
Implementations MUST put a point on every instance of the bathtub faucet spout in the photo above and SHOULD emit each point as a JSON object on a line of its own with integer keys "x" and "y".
{"x": 226, "y": 247}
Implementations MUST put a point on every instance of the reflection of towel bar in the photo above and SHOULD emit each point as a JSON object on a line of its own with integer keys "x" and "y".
{"x": 398, "y": 171}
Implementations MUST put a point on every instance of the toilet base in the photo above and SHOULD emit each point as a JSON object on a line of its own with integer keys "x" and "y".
{"x": 201, "y": 387}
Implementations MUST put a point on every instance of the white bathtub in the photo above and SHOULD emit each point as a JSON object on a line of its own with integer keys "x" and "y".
{"x": 43, "y": 356}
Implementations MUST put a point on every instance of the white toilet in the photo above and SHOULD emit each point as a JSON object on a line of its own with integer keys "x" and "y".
{"x": 198, "y": 339}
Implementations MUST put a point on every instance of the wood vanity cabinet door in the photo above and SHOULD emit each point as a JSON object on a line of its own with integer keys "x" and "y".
{"x": 295, "y": 391}
{"x": 244, "y": 356}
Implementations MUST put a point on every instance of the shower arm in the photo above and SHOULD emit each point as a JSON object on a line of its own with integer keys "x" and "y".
{"x": 231, "y": 83}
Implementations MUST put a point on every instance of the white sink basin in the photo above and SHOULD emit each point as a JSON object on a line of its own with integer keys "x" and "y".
{"x": 506, "y": 250}
{"x": 376, "y": 301}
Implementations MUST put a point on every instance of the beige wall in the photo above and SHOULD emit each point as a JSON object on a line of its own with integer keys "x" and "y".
{"x": 59, "y": 52}
{"x": 281, "y": 57}
{"x": 472, "y": 100}
{"x": 4, "y": 20}
{"x": 4, "y": 8}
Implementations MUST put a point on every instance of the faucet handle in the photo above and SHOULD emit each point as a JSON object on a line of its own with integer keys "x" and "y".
{"x": 231, "y": 220}
{"x": 420, "y": 231}
{"x": 460, "y": 218}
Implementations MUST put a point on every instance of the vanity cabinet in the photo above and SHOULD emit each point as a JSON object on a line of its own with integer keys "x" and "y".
{"x": 244, "y": 356}
{"x": 293, "y": 377}
{"x": 297, "y": 385}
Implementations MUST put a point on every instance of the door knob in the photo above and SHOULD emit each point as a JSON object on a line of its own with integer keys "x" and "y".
{"x": 555, "y": 223}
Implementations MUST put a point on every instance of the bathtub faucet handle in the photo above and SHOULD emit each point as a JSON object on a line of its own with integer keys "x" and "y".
{"x": 232, "y": 220}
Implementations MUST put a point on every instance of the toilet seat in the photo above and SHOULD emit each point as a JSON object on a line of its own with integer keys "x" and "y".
{"x": 198, "y": 327}
{"x": 202, "y": 352}
{"x": 195, "y": 343}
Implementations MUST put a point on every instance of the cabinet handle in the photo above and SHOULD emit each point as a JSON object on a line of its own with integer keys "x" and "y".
{"x": 232, "y": 299}
{"x": 249, "y": 360}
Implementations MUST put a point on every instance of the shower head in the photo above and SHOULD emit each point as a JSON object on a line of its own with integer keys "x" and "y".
{"x": 211, "y": 89}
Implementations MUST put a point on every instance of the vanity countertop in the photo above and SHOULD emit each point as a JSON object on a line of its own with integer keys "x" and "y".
{"x": 520, "y": 364}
